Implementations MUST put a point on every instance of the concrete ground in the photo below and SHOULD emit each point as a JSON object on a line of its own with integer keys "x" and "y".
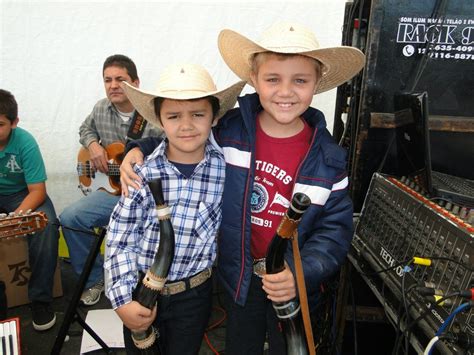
{"x": 39, "y": 343}
{"x": 373, "y": 338}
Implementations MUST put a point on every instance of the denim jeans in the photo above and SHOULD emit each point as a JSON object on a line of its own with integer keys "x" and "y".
{"x": 42, "y": 248}
{"x": 247, "y": 326}
{"x": 91, "y": 211}
{"x": 181, "y": 321}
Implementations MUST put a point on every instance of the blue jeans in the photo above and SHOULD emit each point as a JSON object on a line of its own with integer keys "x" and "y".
{"x": 42, "y": 248}
{"x": 181, "y": 321}
{"x": 247, "y": 326}
{"x": 91, "y": 211}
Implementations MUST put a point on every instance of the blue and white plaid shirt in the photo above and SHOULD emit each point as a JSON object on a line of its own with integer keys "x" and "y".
{"x": 196, "y": 212}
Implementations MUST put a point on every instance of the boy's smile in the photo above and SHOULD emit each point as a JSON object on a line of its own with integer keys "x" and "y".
{"x": 187, "y": 125}
{"x": 286, "y": 87}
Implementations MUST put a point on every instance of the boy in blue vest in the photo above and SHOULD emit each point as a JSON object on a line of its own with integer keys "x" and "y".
{"x": 276, "y": 145}
{"x": 23, "y": 188}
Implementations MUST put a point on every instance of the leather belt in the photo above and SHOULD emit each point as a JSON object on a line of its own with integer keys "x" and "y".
{"x": 259, "y": 267}
{"x": 173, "y": 288}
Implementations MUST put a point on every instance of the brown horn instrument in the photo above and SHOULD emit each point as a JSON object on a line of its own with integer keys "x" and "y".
{"x": 150, "y": 287}
{"x": 289, "y": 312}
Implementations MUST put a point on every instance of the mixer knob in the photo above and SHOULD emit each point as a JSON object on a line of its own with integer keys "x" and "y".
{"x": 470, "y": 217}
{"x": 455, "y": 209}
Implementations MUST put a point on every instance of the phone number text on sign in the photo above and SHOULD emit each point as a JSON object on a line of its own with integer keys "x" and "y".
{"x": 437, "y": 52}
{"x": 446, "y": 38}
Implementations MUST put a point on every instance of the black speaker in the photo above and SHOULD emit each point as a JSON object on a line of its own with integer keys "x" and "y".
{"x": 411, "y": 46}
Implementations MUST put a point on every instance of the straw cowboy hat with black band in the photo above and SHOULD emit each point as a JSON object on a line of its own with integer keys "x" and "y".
{"x": 182, "y": 82}
{"x": 339, "y": 64}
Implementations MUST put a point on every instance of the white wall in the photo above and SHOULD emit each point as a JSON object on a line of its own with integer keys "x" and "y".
{"x": 51, "y": 56}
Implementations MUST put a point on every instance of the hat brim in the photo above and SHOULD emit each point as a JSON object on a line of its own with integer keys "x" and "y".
{"x": 143, "y": 101}
{"x": 340, "y": 63}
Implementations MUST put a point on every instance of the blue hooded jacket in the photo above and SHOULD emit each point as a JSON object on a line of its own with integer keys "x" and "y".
{"x": 325, "y": 231}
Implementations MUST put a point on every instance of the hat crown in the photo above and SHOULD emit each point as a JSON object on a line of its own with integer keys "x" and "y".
{"x": 185, "y": 79}
{"x": 287, "y": 37}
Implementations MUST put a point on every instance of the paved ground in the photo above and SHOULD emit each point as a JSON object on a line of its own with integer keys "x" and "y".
{"x": 372, "y": 338}
{"x": 39, "y": 343}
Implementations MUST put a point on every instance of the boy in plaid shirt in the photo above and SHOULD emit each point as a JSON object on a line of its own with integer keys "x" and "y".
{"x": 192, "y": 172}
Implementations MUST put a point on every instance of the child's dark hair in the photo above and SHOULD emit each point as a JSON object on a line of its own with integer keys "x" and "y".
{"x": 8, "y": 105}
{"x": 121, "y": 61}
{"x": 259, "y": 58}
{"x": 212, "y": 100}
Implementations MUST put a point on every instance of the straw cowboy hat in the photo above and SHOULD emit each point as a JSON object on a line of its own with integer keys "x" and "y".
{"x": 339, "y": 63}
{"x": 182, "y": 82}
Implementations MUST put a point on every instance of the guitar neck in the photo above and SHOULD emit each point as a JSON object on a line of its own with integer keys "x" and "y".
{"x": 14, "y": 225}
{"x": 85, "y": 169}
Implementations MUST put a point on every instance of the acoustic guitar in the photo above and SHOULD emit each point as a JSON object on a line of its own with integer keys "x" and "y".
{"x": 91, "y": 179}
{"x": 18, "y": 225}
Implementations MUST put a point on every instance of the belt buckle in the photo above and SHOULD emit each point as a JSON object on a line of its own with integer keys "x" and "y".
{"x": 259, "y": 268}
{"x": 180, "y": 286}
{"x": 173, "y": 288}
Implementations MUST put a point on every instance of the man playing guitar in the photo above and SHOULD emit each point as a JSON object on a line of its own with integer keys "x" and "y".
{"x": 109, "y": 122}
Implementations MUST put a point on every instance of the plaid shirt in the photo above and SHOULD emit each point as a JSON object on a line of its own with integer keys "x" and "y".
{"x": 196, "y": 212}
{"x": 104, "y": 125}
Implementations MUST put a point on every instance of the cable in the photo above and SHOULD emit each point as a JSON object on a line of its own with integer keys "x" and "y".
{"x": 334, "y": 324}
{"x": 214, "y": 326}
{"x": 418, "y": 260}
{"x": 448, "y": 320}
{"x": 354, "y": 322}
{"x": 208, "y": 342}
{"x": 404, "y": 262}
{"x": 75, "y": 229}
{"x": 465, "y": 340}
{"x": 428, "y": 310}
{"x": 406, "y": 270}
{"x": 219, "y": 321}
{"x": 430, "y": 345}
{"x": 445, "y": 324}
{"x": 351, "y": 90}
{"x": 399, "y": 321}
{"x": 439, "y": 10}
{"x": 421, "y": 316}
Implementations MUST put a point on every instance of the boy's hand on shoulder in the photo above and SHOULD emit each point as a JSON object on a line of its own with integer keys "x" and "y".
{"x": 128, "y": 177}
{"x": 280, "y": 287}
{"x": 136, "y": 317}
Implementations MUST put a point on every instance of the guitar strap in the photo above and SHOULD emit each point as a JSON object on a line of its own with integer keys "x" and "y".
{"x": 137, "y": 127}
{"x": 302, "y": 293}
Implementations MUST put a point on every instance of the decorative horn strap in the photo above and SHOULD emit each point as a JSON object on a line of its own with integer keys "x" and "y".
{"x": 286, "y": 227}
{"x": 302, "y": 294}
